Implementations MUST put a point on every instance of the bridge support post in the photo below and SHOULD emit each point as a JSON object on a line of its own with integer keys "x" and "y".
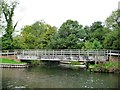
{"x": 61, "y": 55}
{"x": 45, "y": 52}
{"x": 53, "y": 54}
{"x": 87, "y": 65}
{"x": 88, "y": 54}
{"x": 23, "y": 53}
{"x": 14, "y": 52}
{"x": 107, "y": 56}
{"x": 71, "y": 55}
{"x": 96, "y": 59}
{"x": 110, "y": 53}
{"x": 79, "y": 55}
{"x": 7, "y": 53}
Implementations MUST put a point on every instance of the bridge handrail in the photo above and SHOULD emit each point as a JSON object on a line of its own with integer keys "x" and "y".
{"x": 62, "y": 52}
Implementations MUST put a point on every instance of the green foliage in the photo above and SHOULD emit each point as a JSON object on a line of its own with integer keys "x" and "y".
{"x": 96, "y": 45}
{"x": 67, "y": 36}
{"x": 70, "y": 35}
{"x": 75, "y": 63}
{"x": 35, "y": 62}
{"x": 18, "y": 43}
{"x": 67, "y": 33}
{"x": 96, "y": 31}
{"x": 107, "y": 65}
{"x": 8, "y": 12}
{"x": 87, "y": 45}
{"x": 112, "y": 39}
{"x": 36, "y": 36}
{"x": 111, "y": 20}
{"x": 92, "y": 45}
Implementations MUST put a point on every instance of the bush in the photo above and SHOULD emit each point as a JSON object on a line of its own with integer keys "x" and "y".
{"x": 75, "y": 63}
{"x": 107, "y": 67}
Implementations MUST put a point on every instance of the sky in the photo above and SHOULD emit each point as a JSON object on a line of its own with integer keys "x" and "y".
{"x": 55, "y": 12}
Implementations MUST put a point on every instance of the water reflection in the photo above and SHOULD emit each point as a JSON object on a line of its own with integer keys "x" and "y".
{"x": 56, "y": 77}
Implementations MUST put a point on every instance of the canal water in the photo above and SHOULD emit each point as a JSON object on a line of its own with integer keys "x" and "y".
{"x": 56, "y": 77}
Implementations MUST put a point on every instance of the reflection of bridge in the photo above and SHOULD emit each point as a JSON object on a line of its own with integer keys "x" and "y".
{"x": 63, "y": 55}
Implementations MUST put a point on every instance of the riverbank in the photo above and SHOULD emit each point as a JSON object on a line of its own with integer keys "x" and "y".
{"x": 107, "y": 67}
{"x": 9, "y": 63}
{"x": 103, "y": 67}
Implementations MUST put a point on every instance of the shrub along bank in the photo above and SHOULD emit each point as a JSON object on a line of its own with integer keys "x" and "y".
{"x": 113, "y": 67}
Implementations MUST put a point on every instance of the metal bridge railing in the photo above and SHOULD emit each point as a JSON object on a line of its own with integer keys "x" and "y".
{"x": 62, "y": 54}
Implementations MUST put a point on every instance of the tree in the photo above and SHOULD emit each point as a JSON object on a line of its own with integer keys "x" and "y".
{"x": 67, "y": 37}
{"x": 92, "y": 45}
{"x": 8, "y": 12}
{"x": 87, "y": 33}
{"x": 87, "y": 45}
{"x": 36, "y": 36}
{"x": 112, "y": 40}
{"x": 96, "y": 45}
{"x": 111, "y": 20}
{"x": 68, "y": 27}
{"x": 97, "y": 31}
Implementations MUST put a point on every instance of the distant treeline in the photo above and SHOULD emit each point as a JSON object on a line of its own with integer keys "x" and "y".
{"x": 70, "y": 35}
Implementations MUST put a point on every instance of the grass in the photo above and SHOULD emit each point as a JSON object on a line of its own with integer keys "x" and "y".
{"x": 113, "y": 67}
{"x": 9, "y": 61}
{"x": 111, "y": 64}
{"x": 75, "y": 63}
{"x": 107, "y": 65}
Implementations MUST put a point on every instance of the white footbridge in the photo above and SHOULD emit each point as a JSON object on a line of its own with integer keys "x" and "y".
{"x": 63, "y": 55}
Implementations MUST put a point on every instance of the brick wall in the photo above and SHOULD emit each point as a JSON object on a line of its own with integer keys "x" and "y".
{"x": 114, "y": 58}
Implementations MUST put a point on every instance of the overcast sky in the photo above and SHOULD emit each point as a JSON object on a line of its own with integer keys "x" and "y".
{"x": 55, "y": 12}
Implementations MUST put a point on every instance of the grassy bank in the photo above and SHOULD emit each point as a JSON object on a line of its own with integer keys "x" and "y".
{"x": 106, "y": 67}
{"x": 9, "y": 61}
